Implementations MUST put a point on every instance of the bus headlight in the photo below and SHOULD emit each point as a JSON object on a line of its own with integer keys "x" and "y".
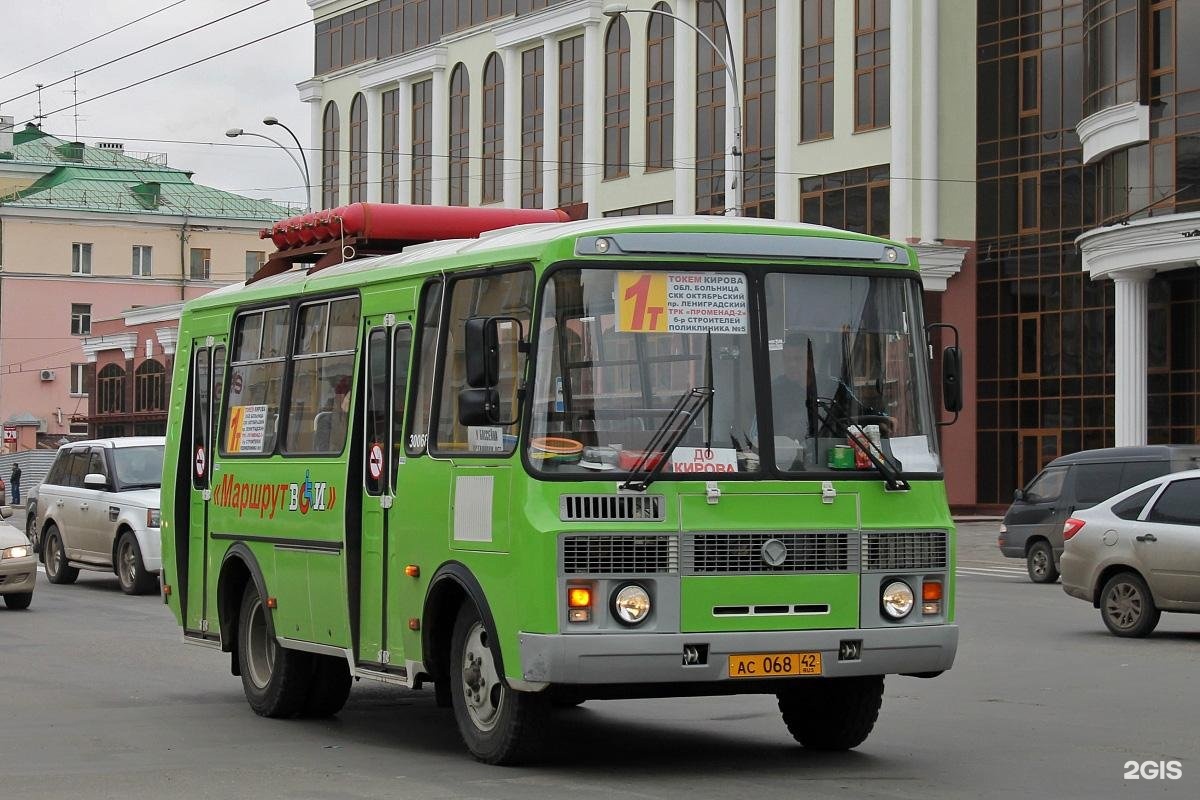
{"x": 897, "y": 599}
{"x": 631, "y": 604}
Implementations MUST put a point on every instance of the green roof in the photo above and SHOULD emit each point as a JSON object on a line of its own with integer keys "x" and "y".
{"x": 89, "y": 178}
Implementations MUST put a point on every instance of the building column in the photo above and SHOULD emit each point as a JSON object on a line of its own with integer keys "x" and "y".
{"x": 901, "y": 194}
{"x": 441, "y": 137}
{"x": 550, "y": 122}
{"x": 512, "y": 127}
{"x": 1132, "y": 299}
{"x": 930, "y": 217}
{"x": 787, "y": 110}
{"x": 374, "y": 99}
{"x": 593, "y": 116}
{"x": 684, "y": 134}
{"x": 736, "y": 14}
{"x": 316, "y": 154}
{"x": 404, "y": 142}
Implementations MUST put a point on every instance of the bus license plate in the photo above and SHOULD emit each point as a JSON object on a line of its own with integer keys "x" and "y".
{"x": 773, "y": 665}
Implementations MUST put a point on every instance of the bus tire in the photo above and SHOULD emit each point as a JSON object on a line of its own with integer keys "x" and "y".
{"x": 331, "y": 681}
{"x": 131, "y": 572}
{"x": 57, "y": 569}
{"x": 276, "y": 680}
{"x": 498, "y": 724}
{"x": 832, "y": 713}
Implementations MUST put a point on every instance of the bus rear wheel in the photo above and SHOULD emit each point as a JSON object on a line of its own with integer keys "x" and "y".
{"x": 832, "y": 713}
{"x": 276, "y": 680}
{"x": 330, "y": 689}
{"x": 498, "y": 724}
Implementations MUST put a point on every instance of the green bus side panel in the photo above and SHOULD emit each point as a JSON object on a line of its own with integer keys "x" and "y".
{"x": 763, "y": 511}
{"x": 700, "y": 595}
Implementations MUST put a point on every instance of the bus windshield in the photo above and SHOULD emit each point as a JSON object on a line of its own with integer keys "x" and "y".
{"x": 619, "y": 349}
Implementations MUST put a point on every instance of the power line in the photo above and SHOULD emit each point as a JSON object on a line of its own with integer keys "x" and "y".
{"x": 138, "y": 51}
{"x": 167, "y": 7}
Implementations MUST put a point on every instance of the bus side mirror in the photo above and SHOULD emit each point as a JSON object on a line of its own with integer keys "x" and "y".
{"x": 479, "y": 407}
{"x": 952, "y": 396}
{"x": 482, "y": 352}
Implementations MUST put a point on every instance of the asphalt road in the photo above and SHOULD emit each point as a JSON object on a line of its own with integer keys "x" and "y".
{"x": 100, "y": 698}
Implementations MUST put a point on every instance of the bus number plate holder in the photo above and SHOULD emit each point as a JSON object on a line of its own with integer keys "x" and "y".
{"x": 774, "y": 665}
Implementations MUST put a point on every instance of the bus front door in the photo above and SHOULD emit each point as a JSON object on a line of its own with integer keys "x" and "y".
{"x": 387, "y": 354}
{"x": 207, "y": 383}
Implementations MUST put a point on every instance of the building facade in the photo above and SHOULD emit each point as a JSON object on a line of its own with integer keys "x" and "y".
{"x": 1088, "y": 231}
{"x": 856, "y": 114}
{"x": 87, "y": 231}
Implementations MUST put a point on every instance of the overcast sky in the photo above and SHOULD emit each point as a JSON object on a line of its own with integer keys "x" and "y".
{"x": 196, "y": 104}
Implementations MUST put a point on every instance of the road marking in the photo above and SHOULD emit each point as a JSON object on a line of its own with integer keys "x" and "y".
{"x": 1000, "y": 572}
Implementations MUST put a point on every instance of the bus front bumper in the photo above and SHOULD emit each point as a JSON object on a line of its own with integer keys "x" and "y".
{"x": 628, "y": 658}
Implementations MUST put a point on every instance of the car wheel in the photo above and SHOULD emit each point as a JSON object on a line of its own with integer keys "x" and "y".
{"x": 18, "y": 601}
{"x": 1040, "y": 563}
{"x": 1127, "y": 606}
{"x": 832, "y": 713}
{"x": 131, "y": 572}
{"x": 498, "y": 724}
{"x": 58, "y": 571}
{"x": 276, "y": 680}
{"x": 31, "y": 527}
{"x": 330, "y": 689}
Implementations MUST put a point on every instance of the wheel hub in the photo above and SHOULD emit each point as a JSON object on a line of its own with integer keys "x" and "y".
{"x": 482, "y": 688}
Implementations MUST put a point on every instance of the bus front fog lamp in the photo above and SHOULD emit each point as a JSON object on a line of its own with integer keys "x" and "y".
{"x": 631, "y": 604}
{"x": 897, "y": 599}
{"x": 931, "y": 597}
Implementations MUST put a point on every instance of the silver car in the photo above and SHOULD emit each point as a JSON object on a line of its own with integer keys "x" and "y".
{"x": 18, "y": 565}
{"x": 1137, "y": 554}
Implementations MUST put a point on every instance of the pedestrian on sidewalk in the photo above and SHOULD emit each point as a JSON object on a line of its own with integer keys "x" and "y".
{"x": 15, "y": 480}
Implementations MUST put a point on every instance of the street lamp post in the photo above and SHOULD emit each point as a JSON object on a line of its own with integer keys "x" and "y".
{"x": 299, "y": 149}
{"x": 617, "y": 9}
{"x": 233, "y": 133}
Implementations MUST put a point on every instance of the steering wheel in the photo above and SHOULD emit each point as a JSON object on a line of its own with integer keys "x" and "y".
{"x": 831, "y": 408}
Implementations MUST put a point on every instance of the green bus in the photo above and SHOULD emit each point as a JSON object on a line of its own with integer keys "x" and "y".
{"x": 618, "y": 458}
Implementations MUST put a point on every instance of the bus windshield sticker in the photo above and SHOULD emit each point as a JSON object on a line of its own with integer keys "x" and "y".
{"x": 704, "y": 459}
{"x": 247, "y": 429}
{"x": 485, "y": 439}
{"x": 682, "y": 302}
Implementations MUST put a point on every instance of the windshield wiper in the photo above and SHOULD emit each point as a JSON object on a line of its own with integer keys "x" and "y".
{"x": 883, "y": 463}
{"x": 668, "y": 435}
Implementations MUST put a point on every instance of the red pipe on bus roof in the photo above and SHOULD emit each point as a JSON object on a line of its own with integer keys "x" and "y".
{"x": 389, "y": 221}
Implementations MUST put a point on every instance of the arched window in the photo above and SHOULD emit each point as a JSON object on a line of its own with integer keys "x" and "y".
{"x": 110, "y": 390}
{"x": 460, "y": 135}
{"x": 358, "y": 149}
{"x": 150, "y": 387}
{"x": 616, "y": 99}
{"x": 660, "y": 90}
{"x": 710, "y": 114}
{"x": 493, "y": 129}
{"x": 330, "y": 133}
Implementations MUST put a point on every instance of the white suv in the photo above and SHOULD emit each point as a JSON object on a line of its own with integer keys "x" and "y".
{"x": 98, "y": 509}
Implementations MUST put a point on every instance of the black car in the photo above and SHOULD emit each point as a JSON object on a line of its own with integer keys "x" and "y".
{"x": 1033, "y": 527}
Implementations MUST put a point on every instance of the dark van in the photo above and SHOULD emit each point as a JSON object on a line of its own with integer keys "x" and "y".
{"x": 1033, "y": 527}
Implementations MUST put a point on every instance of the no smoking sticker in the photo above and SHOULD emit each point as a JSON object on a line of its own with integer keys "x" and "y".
{"x": 201, "y": 462}
{"x": 375, "y": 461}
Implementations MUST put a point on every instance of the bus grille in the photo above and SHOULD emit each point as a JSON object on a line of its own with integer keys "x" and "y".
{"x": 742, "y": 552}
{"x": 619, "y": 555}
{"x": 891, "y": 551}
{"x": 611, "y": 508}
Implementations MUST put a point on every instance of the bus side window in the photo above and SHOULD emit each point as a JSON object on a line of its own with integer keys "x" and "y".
{"x": 504, "y": 294}
{"x": 255, "y": 382}
{"x": 401, "y": 350}
{"x": 377, "y": 400}
{"x": 427, "y": 341}
{"x": 323, "y": 370}
{"x": 218, "y": 388}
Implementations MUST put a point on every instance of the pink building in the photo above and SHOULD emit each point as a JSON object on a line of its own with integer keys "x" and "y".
{"x": 90, "y": 233}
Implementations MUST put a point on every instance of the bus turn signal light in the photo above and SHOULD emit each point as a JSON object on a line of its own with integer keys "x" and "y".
{"x": 931, "y": 597}
{"x": 272, "y": 602}
{"x": 412, "y": 571}
{"x": 166, "y": 589}
{"x": 579, "y": 597}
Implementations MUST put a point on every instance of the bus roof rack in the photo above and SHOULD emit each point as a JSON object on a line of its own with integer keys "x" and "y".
{"x": 333, "y": 236}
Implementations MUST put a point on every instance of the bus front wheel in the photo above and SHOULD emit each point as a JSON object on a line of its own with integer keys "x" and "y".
{"x": 498, "y": 724}
{"x": 276, "y": 680}
{"x": 832, "y": 713}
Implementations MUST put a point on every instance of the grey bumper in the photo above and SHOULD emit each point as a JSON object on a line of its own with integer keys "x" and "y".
{"x": 18, "y": 575}
{"x": 658, "y": 657}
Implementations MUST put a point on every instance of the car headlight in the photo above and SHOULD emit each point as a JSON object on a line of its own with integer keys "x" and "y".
{"x": 897, "y": 599}
{"x": 153, "y": 518}
{"x": 631, "y": 604}
{"x": 20, "y": 551}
